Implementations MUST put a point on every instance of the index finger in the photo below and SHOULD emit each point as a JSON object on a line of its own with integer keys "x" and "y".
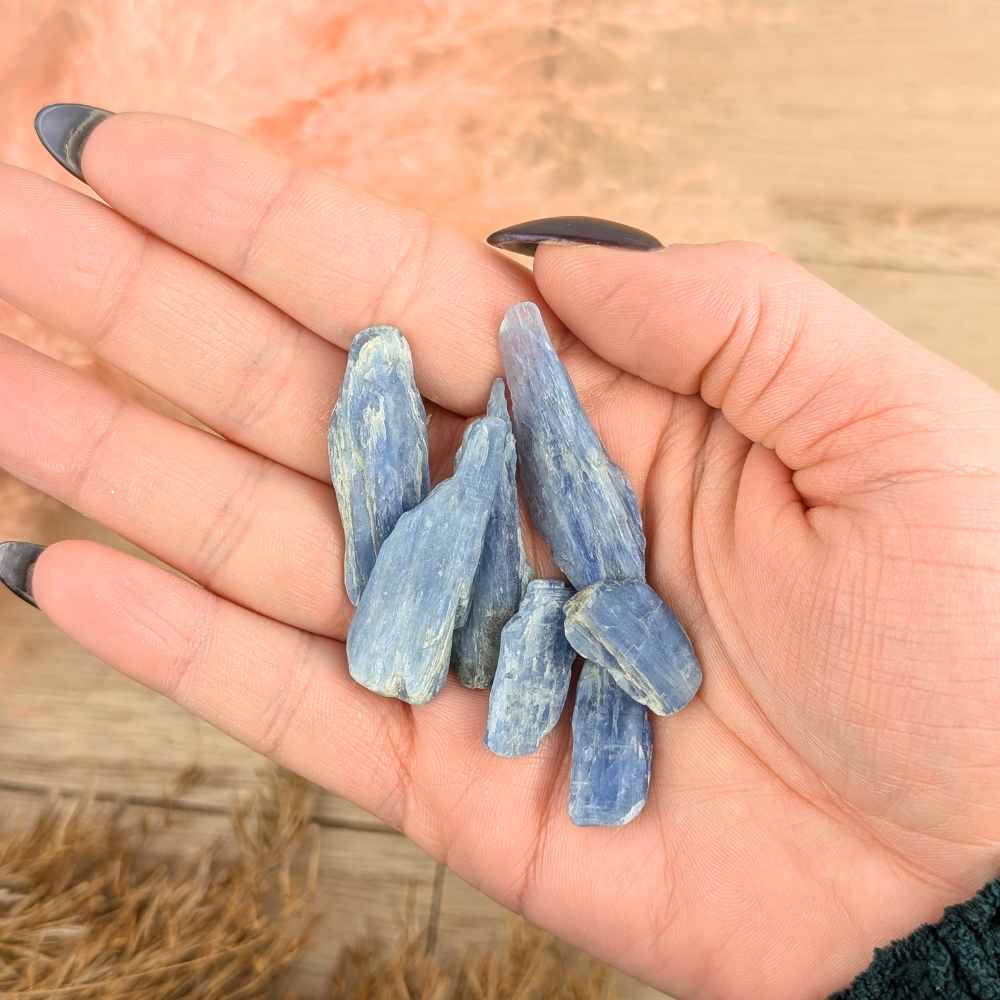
{"x": 331, "y": 256}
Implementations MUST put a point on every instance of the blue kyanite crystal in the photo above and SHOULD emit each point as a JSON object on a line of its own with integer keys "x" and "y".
{"x": 585, "y": 508}
{"x": 612, "y": 752}
{"x": 399, "y": 641}
{"x": 532, "y": 679}
{"x": 625, "y": 627}
{"x": 579, "y": 500}
{"x": 496, "y": 592}
{"x": 378, "y": 448}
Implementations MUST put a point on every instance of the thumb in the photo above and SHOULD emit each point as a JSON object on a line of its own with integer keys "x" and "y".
{"x": 845, "y": 401}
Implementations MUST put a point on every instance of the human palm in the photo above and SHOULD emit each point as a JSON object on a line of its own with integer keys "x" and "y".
{"x": 833, "y": 784}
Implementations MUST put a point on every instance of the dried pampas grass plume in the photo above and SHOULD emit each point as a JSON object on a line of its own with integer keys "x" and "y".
{"x": 98, "y": 903}
{"x": 483, "y": 114}
{"x": 94, "y": 905}
{"x": 461, "y": 108}
{"x": 530, "y": 965}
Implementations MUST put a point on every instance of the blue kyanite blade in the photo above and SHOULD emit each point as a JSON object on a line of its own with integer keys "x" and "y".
{"x": 579, "y": 500}
{"x": 625, "y": 627}
{"x": 612, "y": 752}
{"x": 378, "y": 448}
{"x": 399, "y": 641}
{"x": 532, "y": 678}
{"x": 496, "y": 592}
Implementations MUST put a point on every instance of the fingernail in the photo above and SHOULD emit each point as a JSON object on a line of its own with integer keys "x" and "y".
{"x": 570, "y": 230}
{"x": 64, "y": 128}
{"x": 17, "y": 565}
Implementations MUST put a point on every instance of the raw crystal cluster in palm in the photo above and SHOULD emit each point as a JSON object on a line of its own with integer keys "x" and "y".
{"x": 439, "y": 576}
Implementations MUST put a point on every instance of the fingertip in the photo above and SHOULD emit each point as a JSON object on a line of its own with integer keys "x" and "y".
{"x": 69, "y": 571}
{"x": 105, "y": 599}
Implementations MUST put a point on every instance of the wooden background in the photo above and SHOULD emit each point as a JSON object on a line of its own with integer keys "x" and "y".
{"x": 861, "y": 138}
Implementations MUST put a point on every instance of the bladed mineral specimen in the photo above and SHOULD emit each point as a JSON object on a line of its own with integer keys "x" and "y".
{"x": 612, "y": 751}
{"x": 625, "y": 627}
{"x": 579, "y": 500}
{"x": 399, "y": 641}
{"x": 496, "y": 592}
{"x": 378, "y": 448}
{"x": 532, "y": 678}
{"x": 585, "y": 508}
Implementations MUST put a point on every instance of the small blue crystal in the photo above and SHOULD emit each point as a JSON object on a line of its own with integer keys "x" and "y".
{"x": 612, "y": 752}
{"x": 378, "y": 448}
{"x": 496, "y": 592}
{"x": 533, "y": 675}
{"x": 579, "y": 500}
{"x": 625, "y": 627}
{"x": 399, "y": 641}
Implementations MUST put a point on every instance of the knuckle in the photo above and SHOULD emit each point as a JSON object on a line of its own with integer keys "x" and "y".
{"x": 263, "y": 382}
{"x": 291, "y": 694}
{"x": 258, "y": 239}
{"x": 189, "y": 641}
{"x": 395, "y": 743}
{"x": 226, "y": 531}
{"x": 94, "y": 439}
{"x": 406, "y": 282}
{"x": 119, "y": 289}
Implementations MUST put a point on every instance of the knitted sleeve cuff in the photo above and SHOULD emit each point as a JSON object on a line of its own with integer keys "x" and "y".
{"x": 958, "y": 957}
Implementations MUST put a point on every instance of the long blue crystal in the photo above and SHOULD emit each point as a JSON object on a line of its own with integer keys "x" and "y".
{"x": 612, "y": 752}
{"x": 496, "y": 592}
{"x": 533, "y": 675}
{"x": 399, "y": 641}
{"x": 377, "y": 440}
{"x": 585, "y": 508}
{"x": 579, "y": 500}
{"x": 625, "y": 627}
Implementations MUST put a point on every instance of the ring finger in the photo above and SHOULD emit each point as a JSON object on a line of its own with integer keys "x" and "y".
{"x": 243, "y": 526}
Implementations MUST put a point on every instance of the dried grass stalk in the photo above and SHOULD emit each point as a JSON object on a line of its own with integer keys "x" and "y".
{"x": 87, "y": 910}
{"x": 531, "y": 965}
{"x": 94, "y": 903}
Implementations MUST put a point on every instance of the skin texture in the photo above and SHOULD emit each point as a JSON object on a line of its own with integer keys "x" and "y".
{"x": 821, "y": 496}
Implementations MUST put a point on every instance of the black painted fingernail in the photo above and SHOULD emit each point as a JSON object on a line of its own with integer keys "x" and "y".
{"x": 17, "y": 564}
{"x": 572, "y": 230}
{"x": 64, "y": 128}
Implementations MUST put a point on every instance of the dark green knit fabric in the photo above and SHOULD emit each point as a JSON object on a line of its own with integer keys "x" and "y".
{"x": 955, "y": 959}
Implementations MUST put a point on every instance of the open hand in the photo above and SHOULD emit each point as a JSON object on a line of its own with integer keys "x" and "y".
{"x": 821, "y": 499}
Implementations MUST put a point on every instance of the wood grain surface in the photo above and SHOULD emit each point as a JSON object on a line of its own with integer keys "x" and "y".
{"x": 861, "y": 137}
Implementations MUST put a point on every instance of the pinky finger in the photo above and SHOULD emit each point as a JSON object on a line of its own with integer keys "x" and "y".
{"x": 281, "y": 691}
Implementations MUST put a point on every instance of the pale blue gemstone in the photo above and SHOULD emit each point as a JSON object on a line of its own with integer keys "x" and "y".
{"x": 612, "y": 752}
{"x": 399, "y": 641}
{"x": 579, "y": 500}
{"x": 496, "y": 592}
{"x": 533, "y": 675}
{"x": 377, "y": 440}
{"x": 625, "y": 627}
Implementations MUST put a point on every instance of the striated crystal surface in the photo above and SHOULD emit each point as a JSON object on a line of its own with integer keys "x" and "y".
{"x": 496, "y": 592}
{"x": 579, "y": 500}
{"x": 377, "y": 440}
{"x": 625, "y": 627}
{"x": 399, "y": 641}
{"x": 533, "y": 675}
{"x": 612, "y": 752}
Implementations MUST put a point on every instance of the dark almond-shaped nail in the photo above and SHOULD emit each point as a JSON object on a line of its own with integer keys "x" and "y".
{"x": 17, "y": 565}
{"x": 64, "y": 128}
{"x": 572, "y": 230}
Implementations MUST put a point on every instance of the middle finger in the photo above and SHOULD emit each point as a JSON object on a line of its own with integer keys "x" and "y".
{"x": 197, "y": 337}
